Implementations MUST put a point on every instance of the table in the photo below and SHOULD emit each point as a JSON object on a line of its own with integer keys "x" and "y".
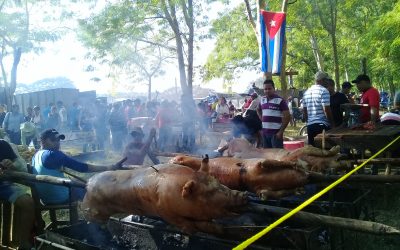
{"x": 362, "y": 140}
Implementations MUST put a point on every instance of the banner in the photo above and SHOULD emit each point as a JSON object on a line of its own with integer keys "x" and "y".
{"x": 272, "y": 30}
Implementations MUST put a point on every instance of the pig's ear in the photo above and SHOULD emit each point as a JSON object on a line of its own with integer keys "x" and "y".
{"x": 204, "y": 165}
{"x": 188, "y": 189}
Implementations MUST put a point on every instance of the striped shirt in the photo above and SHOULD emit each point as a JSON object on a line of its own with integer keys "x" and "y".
{"x": 315, "y": 99}
{"x": 272, "y": 113}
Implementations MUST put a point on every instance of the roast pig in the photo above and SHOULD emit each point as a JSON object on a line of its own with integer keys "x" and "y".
{"x": 178, "y": 194}
{"x": 311, "y": 158}
{"x": 267, "y": 178}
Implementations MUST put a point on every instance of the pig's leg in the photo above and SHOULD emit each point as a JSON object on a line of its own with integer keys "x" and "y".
{"x": 273, "y": 165}
{"x": 318, "y": 164}
{"x": 311, "y": 151}
{"x": 266, "y": 194}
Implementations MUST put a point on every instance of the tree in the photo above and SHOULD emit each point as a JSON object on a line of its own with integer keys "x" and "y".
{"x": 19, "y": 35}
{"x": 328, "y": 13}
{"x": 236, "y": 46}
{"x": 387, "y": 60}
{"x": 168, "y": 24}
{"x": 359, "y": 32}
{"x": 146, "y": 62}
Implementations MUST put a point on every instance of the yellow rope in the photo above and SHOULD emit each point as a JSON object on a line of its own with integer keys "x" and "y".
{"x": 252, "y": 239}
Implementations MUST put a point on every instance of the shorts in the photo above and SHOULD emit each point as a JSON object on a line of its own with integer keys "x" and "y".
{"x": 11, "y": 191}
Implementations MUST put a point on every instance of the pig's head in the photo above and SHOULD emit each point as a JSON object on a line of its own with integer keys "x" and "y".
{"x": 274, "y": 175}
{"x": 206, "y": 190}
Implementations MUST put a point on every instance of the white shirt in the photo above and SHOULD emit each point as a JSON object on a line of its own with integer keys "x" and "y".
{"x": 222, "y": 109}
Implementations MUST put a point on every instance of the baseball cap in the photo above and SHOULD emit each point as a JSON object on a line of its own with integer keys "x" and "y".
{"x": 346, "y": 85}
{"x": 360, "y": 78}
{"x": 320, "y": 75}
{"x": 137, "y": 131}
{"x": 51, "y": 133}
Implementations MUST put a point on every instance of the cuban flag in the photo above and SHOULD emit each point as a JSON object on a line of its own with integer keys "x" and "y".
{"x": 272, "y": 30}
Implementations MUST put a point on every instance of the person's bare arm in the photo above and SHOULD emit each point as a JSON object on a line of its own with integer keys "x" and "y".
{"x": 285, "y": 122}
{"x": 374, "y": 114}
{"x": 328, "y": 113}
{"x": 305, "y": 114}
{"x": 259, "y": 112}
{"x": 99, "y": 168}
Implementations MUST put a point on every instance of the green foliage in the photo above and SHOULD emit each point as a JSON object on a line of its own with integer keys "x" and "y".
{"x": 236, "y": 46}
{"x": 24, "y": 27}
{"x": 123, "y": 36}
{"x": 365, "y": 29}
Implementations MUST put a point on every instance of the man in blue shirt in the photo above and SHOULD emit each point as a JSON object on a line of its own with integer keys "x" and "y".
{"x": 50, "y": 160}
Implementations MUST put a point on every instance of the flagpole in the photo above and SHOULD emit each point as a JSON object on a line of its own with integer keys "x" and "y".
{"x": 284, "y": 52}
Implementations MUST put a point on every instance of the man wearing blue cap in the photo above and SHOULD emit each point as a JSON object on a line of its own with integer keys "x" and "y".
{"x": 50, "y": 160}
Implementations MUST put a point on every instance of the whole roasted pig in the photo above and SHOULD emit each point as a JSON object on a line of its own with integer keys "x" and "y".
{"x": 267, "y": 178}
{"x": 180, "y": 195}
{"x": 309, "y": 157}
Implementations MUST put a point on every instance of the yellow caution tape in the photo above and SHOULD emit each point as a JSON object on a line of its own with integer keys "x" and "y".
{"x": 252, "y": 239}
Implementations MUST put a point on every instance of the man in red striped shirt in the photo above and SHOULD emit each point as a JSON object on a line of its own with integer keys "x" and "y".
{"x": 274, "y": 114}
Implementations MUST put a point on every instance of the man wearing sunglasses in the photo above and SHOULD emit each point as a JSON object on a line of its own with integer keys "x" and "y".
{"x": 49, "y": 160}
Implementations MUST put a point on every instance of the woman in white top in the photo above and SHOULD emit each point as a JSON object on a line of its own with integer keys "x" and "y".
{"x": 222, "y": 109}
{"x": 37, "y": 119}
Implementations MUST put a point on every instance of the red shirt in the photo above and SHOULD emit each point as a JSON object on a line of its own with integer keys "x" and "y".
{"x": 247, "y": 104}
{"x": 370, "y": 97}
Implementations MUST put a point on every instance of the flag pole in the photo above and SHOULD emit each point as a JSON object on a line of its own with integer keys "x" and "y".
{"x": 282, "y": 76}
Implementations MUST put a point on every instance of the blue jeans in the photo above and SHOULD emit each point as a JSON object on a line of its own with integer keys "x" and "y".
{"x": 271, "y": 141}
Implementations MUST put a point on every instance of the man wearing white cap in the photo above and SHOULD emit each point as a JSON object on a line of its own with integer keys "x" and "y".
{"x": 316, "y": 107}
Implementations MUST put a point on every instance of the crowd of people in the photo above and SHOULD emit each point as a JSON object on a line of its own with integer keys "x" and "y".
{"x": 262, "y": 119}
{"x": 322, "y": 108}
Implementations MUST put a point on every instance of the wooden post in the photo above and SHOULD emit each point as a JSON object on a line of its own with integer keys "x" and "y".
{"x": 388, "y": 166}
{"x": 284, "y": 52}
{"x": 314, "y": 177}
{"x": 331, "y": 221}
{"x": 24, "y": 178}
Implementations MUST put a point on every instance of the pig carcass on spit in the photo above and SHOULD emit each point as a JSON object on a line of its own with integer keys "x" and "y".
{"x": 309, "y": 157}
{"x": 181, "y": 196}
{"x": 266, "y": 178}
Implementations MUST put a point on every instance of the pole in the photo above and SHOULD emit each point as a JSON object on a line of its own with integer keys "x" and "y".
{"x": 24, "y": 178}
{"x": 332, "y": 221}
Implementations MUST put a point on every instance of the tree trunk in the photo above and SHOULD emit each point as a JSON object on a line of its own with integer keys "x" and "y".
{"x": 392, "y": 88}
{"x": 333, "y": 9}
{"x": 364, "y": 65}
{"x": 170, "y": 14}
{"x": 336, "y": 60}
{"x": 317, "y": 53}
{"x": 149, "y": 90}
{"x": 189, "y": 23}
